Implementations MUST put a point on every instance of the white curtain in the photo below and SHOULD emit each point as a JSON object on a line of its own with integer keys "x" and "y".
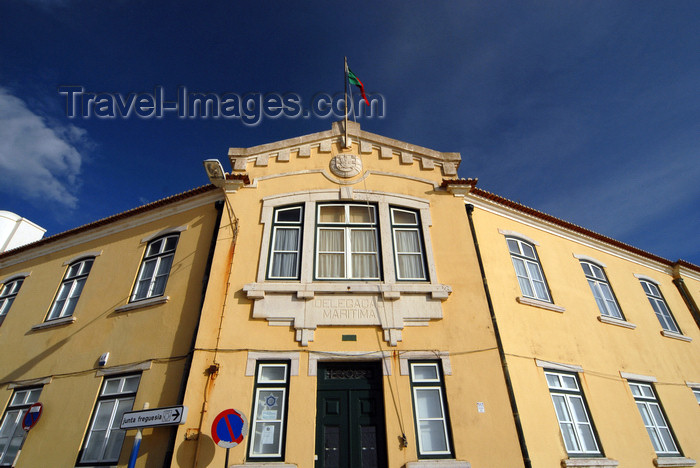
{"x": 331, "y": 253}
{"x": 409, "y": 257}
{"x": 364, "y": 253}
{"x": 285, "y": 252}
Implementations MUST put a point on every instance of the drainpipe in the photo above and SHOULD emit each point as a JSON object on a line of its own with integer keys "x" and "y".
{"x": 170, "y": 453}
{"x": 501, "y": 352}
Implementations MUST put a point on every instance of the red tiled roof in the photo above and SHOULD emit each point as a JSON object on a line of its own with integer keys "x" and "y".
{"x": 581, "y": 230}
{"x": 111, "y": 219}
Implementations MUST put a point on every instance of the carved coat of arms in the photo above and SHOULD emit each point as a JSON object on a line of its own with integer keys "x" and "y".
{"x": 346, "y": 165}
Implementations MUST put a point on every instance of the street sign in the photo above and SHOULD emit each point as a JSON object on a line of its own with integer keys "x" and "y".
{"x": 169, "y": 416}
{"x": 229, "y": 428}
{"x": 32, "y": 416}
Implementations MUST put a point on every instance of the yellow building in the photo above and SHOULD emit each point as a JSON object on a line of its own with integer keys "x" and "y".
{"x": 97, "y": 321}
{"x": 351, "y": 327}
{"x": 600, "y": 339}
{"x": 352, "y": 303}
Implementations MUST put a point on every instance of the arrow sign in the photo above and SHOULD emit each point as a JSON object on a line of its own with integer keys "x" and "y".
{"x": 168, "y": 416}
{"x": 32, "y": 416}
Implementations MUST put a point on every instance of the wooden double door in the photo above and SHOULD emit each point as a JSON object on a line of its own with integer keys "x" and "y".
{"x": 350, "y": 429}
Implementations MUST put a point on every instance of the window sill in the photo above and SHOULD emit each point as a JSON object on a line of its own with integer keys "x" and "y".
{"x": 144, "y": 303}
{"x": 616, "y": 321}
{"x": 674, "y": 461}
{"x": 308, "y": 290}
{"x": 588, "y": 462}
{"x": 676, "y": 336}
{"x": 54, "y": 323}
{"x": 438, "y": 464}
{"x": 541, "y": 304}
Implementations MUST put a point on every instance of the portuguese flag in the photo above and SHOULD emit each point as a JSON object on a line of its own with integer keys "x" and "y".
{"x": 356, "y": 81}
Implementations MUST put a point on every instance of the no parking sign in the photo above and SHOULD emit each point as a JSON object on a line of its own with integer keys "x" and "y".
{"x": 229, "y": 428}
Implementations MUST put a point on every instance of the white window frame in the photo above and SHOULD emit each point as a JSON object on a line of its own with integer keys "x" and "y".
{"x": 71, "y": 288}
{"x": 599, "y": 284}
{"x": 22, "y": 399}
{"x": 287, "y": 225}
{"x": 528, "y": 263}
{"x": 412, "y": 227}
{"x": 659, "y": 306}
{"x": 654, "y": 419}
{"x": 348, "y": 227}
{"x": 263, "y": 389}
{"x": 571, "y": 423}
{"x": 158, "y": 257}
{"x": 432, "y": 385}
{"x": 115, "y": 416}
{"x": 8, "y": 293}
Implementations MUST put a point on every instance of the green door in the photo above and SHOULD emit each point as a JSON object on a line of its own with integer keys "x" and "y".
{"x": 350, "y": 416}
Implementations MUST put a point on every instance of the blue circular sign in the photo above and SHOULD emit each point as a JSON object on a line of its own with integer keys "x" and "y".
{"x": 229, "y": 428}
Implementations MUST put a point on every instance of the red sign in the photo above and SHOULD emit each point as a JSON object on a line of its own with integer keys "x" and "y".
{"x": 32, "y": 416}
{"x": 229, "y": 428}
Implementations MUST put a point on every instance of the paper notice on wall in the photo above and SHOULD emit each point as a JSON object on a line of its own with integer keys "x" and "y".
{"x": 480, "y": 407}
{"x": 268, "y": 435}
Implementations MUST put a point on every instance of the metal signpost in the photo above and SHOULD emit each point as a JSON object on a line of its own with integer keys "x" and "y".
{"x": 229, "y": 429}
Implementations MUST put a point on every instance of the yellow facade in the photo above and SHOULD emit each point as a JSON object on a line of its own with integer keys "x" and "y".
{"x": 359, "y": 305}
{"x": 152, "y": 340}
{"x": 569, "y": 332}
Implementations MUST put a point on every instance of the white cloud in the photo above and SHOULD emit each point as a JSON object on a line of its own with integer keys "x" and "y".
{"x": 39, "y": 160}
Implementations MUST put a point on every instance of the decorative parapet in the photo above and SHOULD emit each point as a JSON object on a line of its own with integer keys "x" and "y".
{"x": 387, "y": 148}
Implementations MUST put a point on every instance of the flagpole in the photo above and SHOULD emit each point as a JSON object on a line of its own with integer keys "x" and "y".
{"x": 345, "y": 101}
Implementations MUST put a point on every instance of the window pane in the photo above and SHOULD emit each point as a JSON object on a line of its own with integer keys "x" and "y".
{"x": 553, "y": 380}
{"x": 425, "y": 373}
{"x": 267, "y": 438}
{"x": 407, "y": 241}
{"x": 154, "y": 247}
{"x": 513, "y": 246}
{"x": 364, "y": 266}
{"x": 131, "y": 384}
{"x": 528, "y": 250}
{"x": 579, "y": 411}
{"x": 332, "y": 214}
{"x": 411, "y": 266}
{"x": 428, "y": 403}
{"x": 561, "y": 409}
{"x": 291, "y": 215}
{"x": 272, "y": 373}
{"x": 286, "y": 239}
{"x": 284, "y": 265}
{"x": 363, "y": 240}
{"x": 587, "y": 439}
{"x": 362, "y": 214}
{"x": 432, "y": 436}
{"x": 331, "y": 240}
{"x": 569, "y": 435}
{"x": 404, "y": 217}
{"x": 331, "y": 265}
{"x": 270, "y": 405}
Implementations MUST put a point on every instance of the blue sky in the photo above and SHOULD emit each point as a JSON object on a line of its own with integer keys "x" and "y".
{"x": 586, "y": 110}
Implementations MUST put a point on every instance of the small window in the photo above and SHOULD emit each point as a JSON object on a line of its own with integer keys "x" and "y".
{"x": 572, "y": 413}
{"x": 408, "y": 245}
{"x": 528, "y": 270}
{"x": 70, "y": 290}
{"x": 11, "y": 432}
{"x": 7, "y": 296}
{"x": 103, "y": 442}
{"x": 285, "y": 249}
{"x": 600, "y": 287}
{"x": 347, "y": 243}
{"x": 269, "y": 411}
{"x": 658, "y": 303}
{"x": 430, "y": 410}
{"x": 155, "y": 268}
{"x": 654, "y": 419}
